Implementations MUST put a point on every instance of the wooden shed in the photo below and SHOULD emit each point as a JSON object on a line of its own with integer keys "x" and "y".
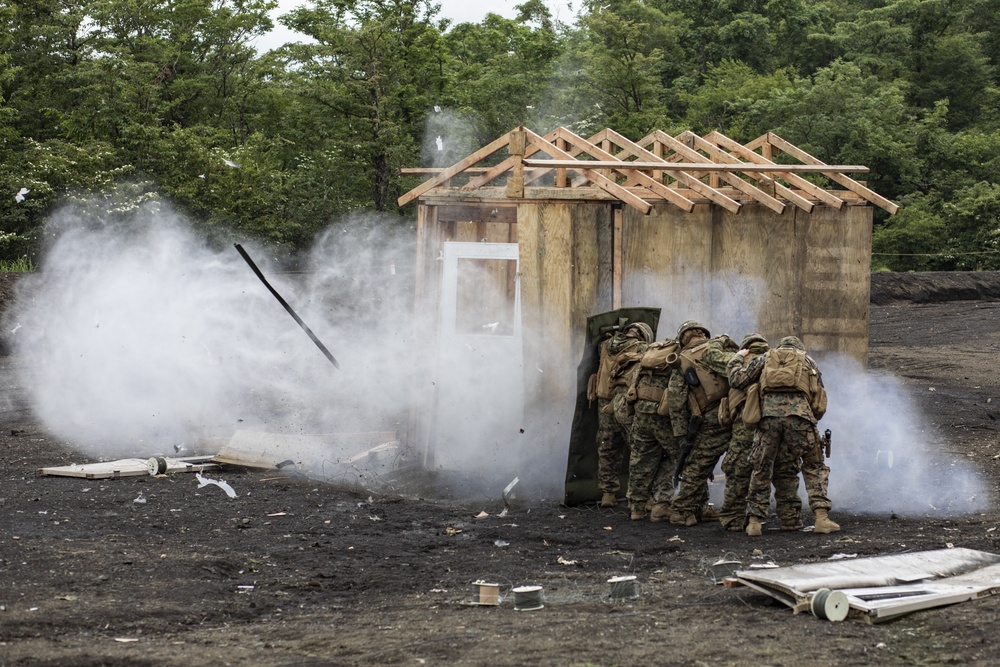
{"x": 520, "y": 241}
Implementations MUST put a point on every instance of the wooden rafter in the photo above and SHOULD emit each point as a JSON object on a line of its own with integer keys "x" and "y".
{"x": 681, "y": 170}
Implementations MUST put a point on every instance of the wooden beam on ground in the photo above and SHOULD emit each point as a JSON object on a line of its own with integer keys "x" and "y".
{"x": 848, "y": 183}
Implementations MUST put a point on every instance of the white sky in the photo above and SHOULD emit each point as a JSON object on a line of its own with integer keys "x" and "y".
{"x": 460, "y": 11}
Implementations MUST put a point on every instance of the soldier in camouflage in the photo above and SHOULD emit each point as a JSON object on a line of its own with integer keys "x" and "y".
{"x": 787, "y": 429}
{"x": 711, "y": 439}
{"x": 736, "y": 464}
{"x": 619, "y": 355}
{"x": 654, "y": 448}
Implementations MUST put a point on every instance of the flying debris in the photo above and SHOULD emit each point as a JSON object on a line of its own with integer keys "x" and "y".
{"x": 440, "y": 143}
{"x": 19, "y": 197}
{"x": 437, "y": 109}
{"x": 230, "y": 163}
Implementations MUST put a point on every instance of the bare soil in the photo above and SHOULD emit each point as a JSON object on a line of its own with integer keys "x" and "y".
{"x": 293, "y": 572}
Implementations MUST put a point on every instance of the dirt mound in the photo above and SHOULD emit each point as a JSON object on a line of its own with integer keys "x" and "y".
{"x": 934, "y": 286}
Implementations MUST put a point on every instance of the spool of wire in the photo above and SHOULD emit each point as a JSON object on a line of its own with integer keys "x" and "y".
{"x": 527, "y": 598}
{"x": 623, "y": 588}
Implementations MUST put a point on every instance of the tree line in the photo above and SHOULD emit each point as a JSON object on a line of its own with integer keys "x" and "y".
{"x": 121, "y": 102}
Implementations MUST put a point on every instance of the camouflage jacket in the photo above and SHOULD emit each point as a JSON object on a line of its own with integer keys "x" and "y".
{"x": 774, "y": 403}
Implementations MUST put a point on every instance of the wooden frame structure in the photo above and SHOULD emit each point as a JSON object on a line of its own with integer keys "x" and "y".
{"x": 681, "y": 222}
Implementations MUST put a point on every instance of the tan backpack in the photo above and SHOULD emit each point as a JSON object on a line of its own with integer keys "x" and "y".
{"x": 711, "y": 387}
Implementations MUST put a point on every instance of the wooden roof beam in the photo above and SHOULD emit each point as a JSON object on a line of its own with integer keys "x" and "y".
{"x": 700, "y": 160}
{"x": 723, "y": 156}
{"x": 849, "y": 183}
{"x": 597, "y": 179}
{"x": 642, "y": 179}
{"x": 457, "y": 168}
{"x": 814, "y": 190}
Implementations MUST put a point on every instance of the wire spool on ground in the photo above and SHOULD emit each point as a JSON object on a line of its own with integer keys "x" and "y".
{"x": 157, "y": 465}
{"x": 829, "y": 605}
{"x": 623, "y": 588}
{"x": 527, "y": 598}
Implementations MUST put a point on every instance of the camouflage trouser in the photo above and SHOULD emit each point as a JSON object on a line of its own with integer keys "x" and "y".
{"x": 736, "y": 466}
{"x": 816, "y": 477}
{"x": 709, "y": 445}
{"x": 612, "y": 443}
{"x": 654, "y": 453}
{"x": 777, "y": 449}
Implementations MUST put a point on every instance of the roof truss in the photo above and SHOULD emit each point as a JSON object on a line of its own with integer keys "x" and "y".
{"x": 682, "y": 170}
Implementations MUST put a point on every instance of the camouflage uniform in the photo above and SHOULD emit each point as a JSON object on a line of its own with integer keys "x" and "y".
{"x": 711, "y": 439}
{"x": 736, "y": 464}
{"x": 816, "y": 478}
{"x": 654, "y": 448}
{"x": 787, "y": 431}
{"x": 614, "y": 423}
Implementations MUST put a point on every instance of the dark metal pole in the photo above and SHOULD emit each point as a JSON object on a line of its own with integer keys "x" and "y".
{"x": 322, "y": 348}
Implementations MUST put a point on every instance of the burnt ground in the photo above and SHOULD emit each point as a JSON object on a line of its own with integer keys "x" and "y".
{"x": 293, "y": 572}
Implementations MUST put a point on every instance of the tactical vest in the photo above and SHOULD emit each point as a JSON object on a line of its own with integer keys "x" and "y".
{"x": 707, "y": 388}
{"x": 660, "y": 358}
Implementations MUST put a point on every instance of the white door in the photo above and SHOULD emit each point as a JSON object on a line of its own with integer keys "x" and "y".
{"x": 480, "y": 383}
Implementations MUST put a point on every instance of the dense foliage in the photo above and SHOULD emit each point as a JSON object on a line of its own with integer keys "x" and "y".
{"x": 132, "y": 100}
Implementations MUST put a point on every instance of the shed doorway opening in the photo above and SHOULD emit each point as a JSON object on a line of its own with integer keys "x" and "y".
{"x": 480, "y": 388}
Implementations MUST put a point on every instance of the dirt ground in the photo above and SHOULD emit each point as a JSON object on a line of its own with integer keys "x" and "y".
{"x": 293, "y": 572}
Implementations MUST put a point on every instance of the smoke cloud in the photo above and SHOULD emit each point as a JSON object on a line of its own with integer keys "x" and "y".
{"x": 138, "y": 338}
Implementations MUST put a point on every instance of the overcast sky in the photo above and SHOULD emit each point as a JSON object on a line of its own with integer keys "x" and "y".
{"x": 460, "y": 11}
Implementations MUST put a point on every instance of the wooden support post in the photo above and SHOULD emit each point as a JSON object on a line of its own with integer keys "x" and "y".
{"x": 515, "y": 182}
{"x": 617, "y": 261}
{"x": 561, "y": 180}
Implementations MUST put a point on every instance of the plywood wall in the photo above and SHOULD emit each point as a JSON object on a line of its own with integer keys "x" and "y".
{"x": 797, "y": 273}
{"x": 565, "y": 276}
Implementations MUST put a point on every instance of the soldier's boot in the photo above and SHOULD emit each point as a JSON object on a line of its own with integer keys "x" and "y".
{"x": 609, "y": 499}
{"x": 709, "y": 513}
{"x": 790, "y": 525}
{"x": 683, "y": 519}
{"x": 824, "y": 524}
{"x": 638, "y": 514}
{"x": 649, "y": 503}
{"x": 754, "y": 528}
{"x": 660, "y": 512}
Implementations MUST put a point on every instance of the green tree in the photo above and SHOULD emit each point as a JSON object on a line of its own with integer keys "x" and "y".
{"x": 370, "y": 78}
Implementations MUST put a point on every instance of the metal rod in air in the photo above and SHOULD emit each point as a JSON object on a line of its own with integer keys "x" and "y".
{"x": 319, "y": 344}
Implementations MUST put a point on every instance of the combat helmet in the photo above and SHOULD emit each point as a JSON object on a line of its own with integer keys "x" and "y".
{"x": 687, "y": 326}
{"x": 751, "y": 338}
{"x": 640, "y": 331}
{"x": 792, "y": 342}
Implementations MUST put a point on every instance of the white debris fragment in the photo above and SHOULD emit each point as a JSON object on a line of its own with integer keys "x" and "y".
{"x": 230, "y": 163}
{"x": 19, "y": 197}
{"x": 140, "y": 499}
{"x": 205, "y": 481}
{"x": 565, "y": 561}
{"x": 842, "y": 556}
{"x": 16, "y": 327}
{"x": 501, "y": 543}
{"x": 440, "y": 143}
{"x": 492, "y": 326}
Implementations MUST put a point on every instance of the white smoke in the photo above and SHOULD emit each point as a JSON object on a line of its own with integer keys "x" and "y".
{"x": 885, "y": 457}
{"x": 139, "y": 339}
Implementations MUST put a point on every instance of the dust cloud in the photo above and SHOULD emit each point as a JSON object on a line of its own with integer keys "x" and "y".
{"x": 885, "y": 458}
{"x": 139, "y": 340}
